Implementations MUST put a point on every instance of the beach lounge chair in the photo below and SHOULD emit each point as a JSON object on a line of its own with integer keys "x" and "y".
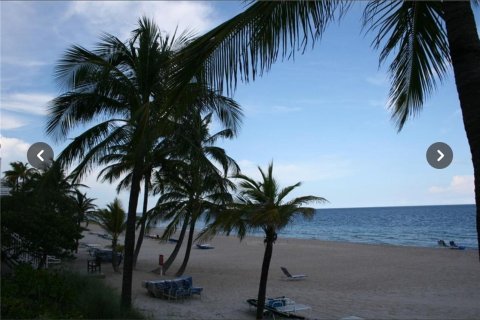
{"x": 281, "y": 306}
{"x": 197, "y": 291}
{"x": 453, "y": 245}
{"x": 442, "y": 243}
{"x": 105, "y": 236}
{"x": 204, "y": 246}
{"x": 179, "y": 288}
{"x": 294, "y": 276}
{"x": 188, "y": 282}
{"x": 158, "y": 289}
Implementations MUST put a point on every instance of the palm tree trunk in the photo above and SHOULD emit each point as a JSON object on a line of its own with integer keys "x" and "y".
{"x": 262, "y": 289}
{"x": 143, "y": 222}
{"x": 42, "y": 261}
{"x": 76, "y": 240}
{"x": 126, "y": 298}
{"x": 178, "y": 245}
{"x": 465, "y": 53}
{"x": 114, "y": 254}
{"x": 189, "y": 248}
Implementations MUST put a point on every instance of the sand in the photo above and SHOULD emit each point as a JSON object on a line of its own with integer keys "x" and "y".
{"x": 344, "y": 279}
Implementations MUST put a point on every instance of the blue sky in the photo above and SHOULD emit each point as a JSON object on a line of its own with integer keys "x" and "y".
{"x": 321, "y": 118}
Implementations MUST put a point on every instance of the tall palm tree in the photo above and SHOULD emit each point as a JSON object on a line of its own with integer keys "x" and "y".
{"x": 426, "y": 35}
{"x": 197, "y": 185}
{"x": 160, "y": 148}
{"x": 117, "y": 81}
{"x": 112, "y": 220}
{"x": 262, "y": 205}
{"x": 120, "y": 87}
{"x": 118, "y": 164}
{"x": 18, "y": 175}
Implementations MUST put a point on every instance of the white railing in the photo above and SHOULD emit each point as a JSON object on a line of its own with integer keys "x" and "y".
{"x": 17, "y": 251}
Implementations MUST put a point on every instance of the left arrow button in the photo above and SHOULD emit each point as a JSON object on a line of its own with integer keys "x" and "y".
{"x": 40, "y": 155}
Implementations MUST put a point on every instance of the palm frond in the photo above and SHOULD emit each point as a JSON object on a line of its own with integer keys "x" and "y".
{"x": 416, "y": 32}
{"x": 248, "y": 44}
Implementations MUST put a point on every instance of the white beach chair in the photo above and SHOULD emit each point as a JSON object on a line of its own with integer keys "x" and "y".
{"x": 294, "y": 276}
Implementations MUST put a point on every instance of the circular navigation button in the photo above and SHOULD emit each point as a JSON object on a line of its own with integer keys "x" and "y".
{"x": 40, "y": 155}
{"x": 439, "y": 155}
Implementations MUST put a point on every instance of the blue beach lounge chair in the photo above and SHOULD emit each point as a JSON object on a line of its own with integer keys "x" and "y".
{"x": 204, "y": 246}
{"x": 454, "y": 246}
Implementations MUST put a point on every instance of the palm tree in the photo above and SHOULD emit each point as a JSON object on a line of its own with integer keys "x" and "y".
{"x": 44, "y": 214}
{"x": 122, "y": 88}
{"x": 262, "y": 205}
{"x": 118, "y": 164}
{"x": 112, "y": 220}
{"x": 168, "y": 208}
{"x": 197, "y": 185}
{"x": 117, "y": 81}
{"x": 426, "y": 35}
{"x": 18, "y": 175}
{"x": 84, "y": 208}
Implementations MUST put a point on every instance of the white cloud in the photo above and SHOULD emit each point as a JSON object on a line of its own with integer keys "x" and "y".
{"x": 31, "y": 103}
{"x": 8, "y": 122}
{"x": 192, "y": 15}
{"x": 12, "y": 149}
{"x": 463, "y": 185}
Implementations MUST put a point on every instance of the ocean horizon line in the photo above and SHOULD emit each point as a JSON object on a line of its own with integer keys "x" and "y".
{"x": 373, "y": 207}
{"x": 400, "y": 206}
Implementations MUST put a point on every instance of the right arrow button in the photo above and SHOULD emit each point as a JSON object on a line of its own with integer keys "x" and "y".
{"x": 439, "y": 155}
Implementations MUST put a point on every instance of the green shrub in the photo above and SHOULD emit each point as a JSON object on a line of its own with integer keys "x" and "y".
{"x": 59, "y": 294}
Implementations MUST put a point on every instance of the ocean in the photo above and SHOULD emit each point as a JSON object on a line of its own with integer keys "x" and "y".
{"x": 420, "y": 226}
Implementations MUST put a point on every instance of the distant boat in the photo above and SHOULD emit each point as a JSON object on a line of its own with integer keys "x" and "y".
{"x": 172, "y": 240}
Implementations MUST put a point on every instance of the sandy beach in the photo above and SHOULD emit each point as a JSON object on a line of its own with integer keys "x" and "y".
{"x": 344, "y": 279}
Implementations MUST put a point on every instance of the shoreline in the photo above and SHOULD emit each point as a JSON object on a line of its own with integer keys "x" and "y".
{"x": 344, "y": 279}
{"x": 282, "y": 236}
{"x": 399, "y": 226}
